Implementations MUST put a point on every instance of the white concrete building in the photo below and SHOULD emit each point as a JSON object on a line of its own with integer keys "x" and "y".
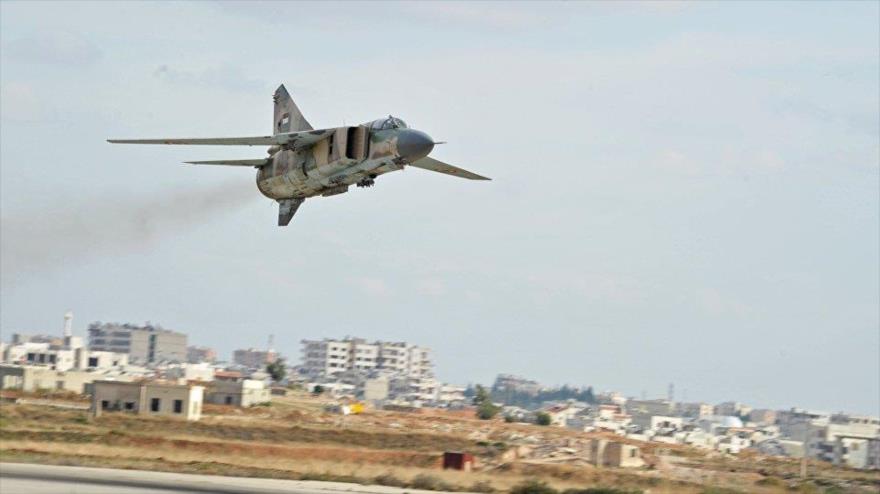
{"x": 243, "y": 393}
{"x": 60, "y": 354}
{"x": 322, "y": 358}
{"x": 252, "y": 358}
{"x": 376, "y": 390}
{"x": 650, "y": 407}
{"x": 733, "y": 409}
{"x": 35, "y": 378}
{"x": 150, "y": 398}
{"x": 841, "y": 439}
{"x": 143, "y": 344}
{"x": 63, "y": 359}
{"x": 562, "y": 414}
{"x": 202, "y": 371}
{"x": 449, "y": 394}
{"x": 694, "y": 410}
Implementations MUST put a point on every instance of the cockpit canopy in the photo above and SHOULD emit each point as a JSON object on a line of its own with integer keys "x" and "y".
{"x": 388, "y": 123}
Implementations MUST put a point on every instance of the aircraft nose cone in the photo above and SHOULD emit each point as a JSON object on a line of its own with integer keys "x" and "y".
{"x": 413, "y": 145}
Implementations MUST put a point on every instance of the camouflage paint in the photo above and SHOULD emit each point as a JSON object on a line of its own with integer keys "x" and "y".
{"x": 304, "y": 162}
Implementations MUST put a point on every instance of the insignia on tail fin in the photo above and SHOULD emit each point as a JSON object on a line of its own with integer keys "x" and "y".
{"x": 288, "y": 118}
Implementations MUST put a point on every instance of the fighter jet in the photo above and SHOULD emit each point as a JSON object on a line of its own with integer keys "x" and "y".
{"x": 304, "y": 162}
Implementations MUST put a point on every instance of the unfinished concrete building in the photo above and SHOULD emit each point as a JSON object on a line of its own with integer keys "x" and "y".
{"x": 147, "y": 398}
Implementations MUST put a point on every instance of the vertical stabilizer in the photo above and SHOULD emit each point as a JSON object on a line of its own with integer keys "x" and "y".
{"x": 288, "y": 118}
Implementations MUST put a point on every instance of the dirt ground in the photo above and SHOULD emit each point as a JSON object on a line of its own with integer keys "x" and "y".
{"x": 295, "y": 438}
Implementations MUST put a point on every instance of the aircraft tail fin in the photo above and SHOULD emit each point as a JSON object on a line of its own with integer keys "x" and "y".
{"x": 288, "y": 118}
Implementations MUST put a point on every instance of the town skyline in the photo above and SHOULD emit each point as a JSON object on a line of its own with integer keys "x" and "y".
{"x": 293, "y": 358}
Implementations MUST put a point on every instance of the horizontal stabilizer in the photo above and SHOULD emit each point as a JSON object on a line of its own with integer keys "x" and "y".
{"x": 256, "y": 163}
{"x": 441, "y": 167}
{"x": 295, "y": 140}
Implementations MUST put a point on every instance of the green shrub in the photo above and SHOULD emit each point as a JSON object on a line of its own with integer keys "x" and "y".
{"x": 543, "y": 418}
{"x": 481, "y": 486}
{"x": 430, "y": 483}
{"x": 487, "y": 410}
{"x": 389, "y": 479}
{"x": 533, "y": 487}
{"x": 720, "y": 490}
{"x": 602, "y": 490}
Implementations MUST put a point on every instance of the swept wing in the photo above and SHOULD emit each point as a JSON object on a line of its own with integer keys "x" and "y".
{"x": 257, "y": 162}
{"x": 441, "y": 167}
{"x": 295, "y": 140}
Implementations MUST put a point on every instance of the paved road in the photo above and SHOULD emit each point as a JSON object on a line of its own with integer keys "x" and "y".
{"x": 27, "y": 478}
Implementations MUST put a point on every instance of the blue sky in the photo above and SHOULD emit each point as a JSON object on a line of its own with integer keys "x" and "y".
{"x": 682, "y": 192}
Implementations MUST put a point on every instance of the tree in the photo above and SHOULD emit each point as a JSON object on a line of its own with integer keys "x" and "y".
{"x": 486, "y": 410}
{"x": 483, "y": 401}
{"x": 277, "y": 370}
{"x": 543, "y": 418}
{"x": 481, "y": 396}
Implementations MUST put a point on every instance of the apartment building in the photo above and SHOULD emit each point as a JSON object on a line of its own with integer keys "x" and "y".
{"x": 68, "y": 354}
{"x": 253, "y": 358}
{"x": 507, "y": 382}
{"x": 143, "y": 344}
{"x": 328, "y": 357}
{"x": 199, "y": 354}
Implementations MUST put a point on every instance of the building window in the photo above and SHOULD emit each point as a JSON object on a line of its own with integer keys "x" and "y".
{"x": 129, "y": 405}
{"x": 178, "y": 406}
{"x": 105, "y": 404}
{"x": 228, "y": 400}
{"x": 93, "y": 361}
{"x": 154, "y": 404}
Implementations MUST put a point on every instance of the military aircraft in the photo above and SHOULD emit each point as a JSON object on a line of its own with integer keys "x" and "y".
{"x": 304, "y": 162}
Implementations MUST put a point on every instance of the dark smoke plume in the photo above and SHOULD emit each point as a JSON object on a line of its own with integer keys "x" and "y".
{"x": 60, "y": 233}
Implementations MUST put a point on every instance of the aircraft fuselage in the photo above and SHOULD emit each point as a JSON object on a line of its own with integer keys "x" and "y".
{"x": 352, "y": 155}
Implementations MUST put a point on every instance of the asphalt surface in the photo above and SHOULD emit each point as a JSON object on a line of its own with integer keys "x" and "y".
{"x": 28, "y": 478}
